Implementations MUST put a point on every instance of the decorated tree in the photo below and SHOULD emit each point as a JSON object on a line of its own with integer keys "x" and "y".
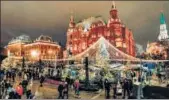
{"x": 102, "y": 60}
{"x": 9, "y": 62}
{"x": 102, "y": 56}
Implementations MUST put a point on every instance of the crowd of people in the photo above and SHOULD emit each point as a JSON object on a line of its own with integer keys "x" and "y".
{"x": 119, "y": 88}
{"x": 11, "y": 88}
{"x": 17, "y": 83}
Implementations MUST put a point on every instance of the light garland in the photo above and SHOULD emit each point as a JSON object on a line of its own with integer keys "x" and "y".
{"x": 126, "y": 56}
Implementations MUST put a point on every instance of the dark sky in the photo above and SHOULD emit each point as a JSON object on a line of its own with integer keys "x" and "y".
{"x": 51, "y": 18}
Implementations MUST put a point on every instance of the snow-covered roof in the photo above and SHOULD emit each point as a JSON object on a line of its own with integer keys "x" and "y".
{"x": 45, "y": 39}
{"x": 21, "y": 39}
{"x": 86, "y": 23}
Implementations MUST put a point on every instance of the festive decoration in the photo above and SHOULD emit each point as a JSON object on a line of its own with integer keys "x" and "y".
{"x": 9, "y": 62}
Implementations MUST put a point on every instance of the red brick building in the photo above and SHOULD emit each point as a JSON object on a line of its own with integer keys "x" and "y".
{"x": 83, "y": 34}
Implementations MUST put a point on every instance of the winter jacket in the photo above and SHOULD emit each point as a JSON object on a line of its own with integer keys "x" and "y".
{"x": 77, "y": 85}
{"x": 19, "y": 90}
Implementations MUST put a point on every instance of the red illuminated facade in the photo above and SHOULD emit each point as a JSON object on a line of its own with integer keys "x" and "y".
{"x": 82, "y": 35}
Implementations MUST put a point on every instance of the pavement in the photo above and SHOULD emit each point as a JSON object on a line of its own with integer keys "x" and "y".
{"x": 50, "y": 91}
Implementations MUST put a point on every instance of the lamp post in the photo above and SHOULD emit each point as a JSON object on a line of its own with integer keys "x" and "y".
{"x": 140, "y": 84}
{"x": 40, "y": 65}
{"x": 87, "y": 72}
{"x": 23, "y": 62}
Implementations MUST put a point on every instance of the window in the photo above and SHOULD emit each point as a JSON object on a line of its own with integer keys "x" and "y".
{"x": 119, "y": 44}
{"x": 75, "y": 47}
{"x": 83, "y": 45}
{"x": 93, "y": 36}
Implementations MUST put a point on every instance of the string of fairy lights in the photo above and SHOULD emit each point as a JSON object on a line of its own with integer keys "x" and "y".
{"x": 114, "y": 52}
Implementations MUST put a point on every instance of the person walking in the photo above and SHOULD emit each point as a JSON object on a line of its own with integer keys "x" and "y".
{"x": 114, "y": 90}
{"x": 13, "y": 76}
{"x": 68, "y": 80}
{"x": 29, "y": 94}
{"x": 130, "y": 83}
{"x": 65, "y": 91}
{"x": 125, "y": 88}
{"x": 77, "y": 85}
{"x": 107, "y": 89}
{"x": 19, "y": 90}
{"x": 60, "y": 90}
{"x": 24, "y": 85}
{"x": 42, "y": 79}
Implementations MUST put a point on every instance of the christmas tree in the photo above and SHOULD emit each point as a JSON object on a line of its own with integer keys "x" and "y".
{"x": 102, "y": 55}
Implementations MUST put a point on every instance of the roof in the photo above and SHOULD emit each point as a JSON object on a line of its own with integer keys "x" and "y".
{"x": 44, "y": 38}
{"x": 21, "y": 39}
{"x": 86, "y": 23}
{"x": 162, "y": 19}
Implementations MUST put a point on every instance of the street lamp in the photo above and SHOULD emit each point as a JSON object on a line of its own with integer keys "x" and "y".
{"x": 23, "y": 62}
{"x": 87, "y": 71}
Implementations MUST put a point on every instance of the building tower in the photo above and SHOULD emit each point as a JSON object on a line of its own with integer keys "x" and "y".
{"x": 163, "y": 28}
{"x": 71, "y": 28}
{"x": 113, "y": 11}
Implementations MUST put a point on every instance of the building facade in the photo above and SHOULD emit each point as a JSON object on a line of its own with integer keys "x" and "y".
{"x": 83, "y": 34}
{"x": 43, "y": 48}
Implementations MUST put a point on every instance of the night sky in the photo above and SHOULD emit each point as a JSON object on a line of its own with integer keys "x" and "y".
{"x": 51, "y": 18}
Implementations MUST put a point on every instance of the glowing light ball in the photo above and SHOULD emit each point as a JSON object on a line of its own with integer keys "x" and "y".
{"x": 50, "y": 51}
{"x": 34, "y": 53}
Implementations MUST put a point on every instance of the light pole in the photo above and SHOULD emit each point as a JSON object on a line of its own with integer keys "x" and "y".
{"x": 23, "y": 62}
{"x": 87, "y": 72}
{"x": 140, "y": 94}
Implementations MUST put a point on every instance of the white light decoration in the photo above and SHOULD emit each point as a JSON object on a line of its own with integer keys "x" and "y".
{"x": 8, "y": 53}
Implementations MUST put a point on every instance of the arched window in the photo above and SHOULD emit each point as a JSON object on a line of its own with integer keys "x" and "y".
{"x": 83, "y": 45}
{"x": 75, "y": 47}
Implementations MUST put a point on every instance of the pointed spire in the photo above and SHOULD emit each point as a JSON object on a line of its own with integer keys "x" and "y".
{"x": 71, "y": 23}
{"x": 113, "y": 5}
{"x": 71, "y": 17}
{"x": 162, "y": 19}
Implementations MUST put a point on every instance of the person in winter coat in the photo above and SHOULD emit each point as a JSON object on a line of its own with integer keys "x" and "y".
{"x": 19, "y": 90}
{"x": 65, "y": 91}
{"x": 24, "y": 85}
{"x": 13, "y": 76}
{"x": 126, "y": 88}
{"x": 77, "y": 85}
{"x": 114, "y": 90}
{"x": 29, "y": 94}
{"x": 130, "y": 85}
{"x": 60, "y": 90}
{"x": 42, "y": 79}
{"x": 68, "y": 80}
{"x": 107, "y": 89}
